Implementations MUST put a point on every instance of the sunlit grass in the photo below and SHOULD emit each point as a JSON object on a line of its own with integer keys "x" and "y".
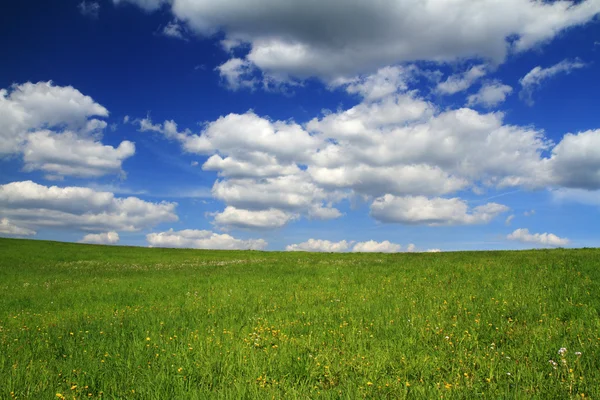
{"x": 80, "y": 321}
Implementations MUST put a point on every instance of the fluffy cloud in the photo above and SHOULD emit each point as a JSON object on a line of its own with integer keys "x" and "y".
{"x": 403, "y": 146}
{"x": 490, "y": 95}
{"x": 346, "y": 37}
{"x": 52, "y": 128}
{"x": 260, "y": 163}
{"x": 384, "y": 82}
{"x": 459, "y": 82}
{"x": 68, "y": 154}
{"x": 190, "y": 238}
{"x": 237, "y": 73}
{"x": 372, "y": 246}
{"x": 35, "y": 206}
{"x": 394, "y": 146}
{"x": 538, "y": 75}
{"x": 317, "y": 245}
{"x": 271, "y": 218}
{"x": 580, "y": 196}
{"x": 101, "y": 238}
{"x": 576, "y": 160}
{"x": 7, "y": 228}
{"x": 174, "y": 30}
{"x": 542, "y": 239}
{"x": 435, "y": 211}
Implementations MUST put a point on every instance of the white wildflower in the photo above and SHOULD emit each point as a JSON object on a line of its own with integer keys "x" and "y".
{"x": 562, "y": 351}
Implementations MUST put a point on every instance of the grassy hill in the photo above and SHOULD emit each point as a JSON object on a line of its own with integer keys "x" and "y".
{"x": 84, "y": 321}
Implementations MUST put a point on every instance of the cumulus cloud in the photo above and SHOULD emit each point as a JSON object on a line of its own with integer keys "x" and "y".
{"x": 542, "y": 239}
{"x": 576, "y": 160}
{"x": 403, "y": 146}
{"x": 89, "y": 8}
{"x": 372, "y": 246}
{"x": 348, "y": 37}
{"x": 67, "y": 154}
{"x": 33, "y": 206}
{"x": 318, "y": 245}
{"x": 51, "y": 127}
{"x": 434, "y": 211}
{"x": 259, "y": 162}
{"x": 490, "y": 95}
{"x": 384, "y": 82}
{"x": 460, "y": 82}
{"x": 174, "y": 30}
{"x": 202, "y": 239}
{"x": 534, "y": 78}
{"x": 434, "y": 251}
{"x": 7, "y": 228}
{"x": 393, "y": 143}
{"x": 101, "y": 238}
{"x": 237, "y": 73}
{"x": 581, "y": 196}
{"x": 271, "y": 218}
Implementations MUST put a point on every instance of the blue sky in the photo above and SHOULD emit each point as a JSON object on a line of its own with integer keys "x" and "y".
{"x": 326, "y": 126}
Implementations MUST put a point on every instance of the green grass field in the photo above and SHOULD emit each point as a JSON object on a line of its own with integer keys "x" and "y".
{"x": 82, "y": 321}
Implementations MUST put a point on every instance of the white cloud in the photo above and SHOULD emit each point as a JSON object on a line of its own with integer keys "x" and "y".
{"x": 543, "y": 239}
{"x": 534, "y": 78}
{"x": 581, "y": 196}
{"x": 411, "y": 248}
{"x": 323, "y": 213}
{"x": 237, "y": 73}
{"x": 509, "y": 219}
{"x": 259, "y": 163}
{"x": 391, "y": 144}
{"x": 435, "y": 211}
{"x": 67, "y": 154}
{"x": 460, "y": 82}
{"x": 403, "y": 146}
{"x": 334, "y": 38}
{"x": 529, "y": 213}
{"x": 174, "y": 30}
{"x": 372, "y": 246}
{"x": 490, "y": 95}
{"x": 7, "y": 228}
{"x": 271, "y": 218}
{"x": 101, "y": 238}
{"x": 89, "y": 9}
{"x": 35, "y": 206}
{"x": 576, "y": 160}
{"x": 197, "y": 239}
{"x": 317, "y": 245}
{"x": 50, "y": 126}
{"x": 384, "y": 82}
{"x": 434, "y": 251}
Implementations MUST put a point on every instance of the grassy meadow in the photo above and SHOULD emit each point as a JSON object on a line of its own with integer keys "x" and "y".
{"x": 82, "y": 321}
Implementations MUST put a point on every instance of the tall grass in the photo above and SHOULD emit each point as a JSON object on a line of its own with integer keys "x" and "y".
{"x": 82, "y": 321}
